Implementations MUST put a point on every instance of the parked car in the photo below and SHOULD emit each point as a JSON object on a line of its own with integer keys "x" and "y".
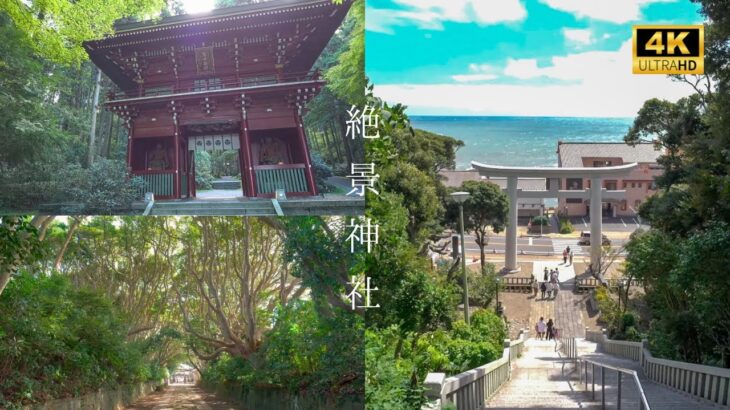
{"x": 585, "y": 239}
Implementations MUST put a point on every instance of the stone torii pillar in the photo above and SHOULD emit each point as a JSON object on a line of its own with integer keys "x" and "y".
{"x": 596, "y": 223}
{"x": 595, "y": 194}
{"x": 510, "y": 248}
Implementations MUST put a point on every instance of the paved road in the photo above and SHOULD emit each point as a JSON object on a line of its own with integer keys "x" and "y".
{"x": 176, "y": 397}
{"x": 543, "y": 246}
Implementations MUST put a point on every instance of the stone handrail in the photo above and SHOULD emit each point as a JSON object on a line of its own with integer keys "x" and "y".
{"x": 706, "y": 382}
{"x": 471, "y": 389}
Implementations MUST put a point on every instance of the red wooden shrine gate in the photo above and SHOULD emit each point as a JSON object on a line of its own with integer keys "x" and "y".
{"x": 235, "y": 78}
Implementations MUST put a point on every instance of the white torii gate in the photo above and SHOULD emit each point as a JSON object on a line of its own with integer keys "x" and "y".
{"x": 553, "y": 177}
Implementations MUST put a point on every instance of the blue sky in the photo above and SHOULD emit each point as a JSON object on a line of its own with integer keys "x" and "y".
{"x": 516, "y": 57}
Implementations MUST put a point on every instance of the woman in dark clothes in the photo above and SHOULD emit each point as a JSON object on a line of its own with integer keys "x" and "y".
{"x": 550, "y": 329}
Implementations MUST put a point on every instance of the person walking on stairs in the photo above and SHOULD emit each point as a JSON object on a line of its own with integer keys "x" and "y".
{"x": 570, "y": 256}
{"x": 545, "y": 275}
{"x": 535, "y": 287}
{"x": 550, "y": 329}
{"x": 540, "y": 328}
{"x": 543, "y": 289}
{"x": 565, "y": 256}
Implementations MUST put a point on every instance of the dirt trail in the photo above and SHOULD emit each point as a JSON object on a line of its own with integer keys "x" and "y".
{"x": 176, "y": 397}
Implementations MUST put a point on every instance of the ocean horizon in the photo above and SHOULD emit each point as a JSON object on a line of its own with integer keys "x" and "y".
{"x": 518, "y": 140}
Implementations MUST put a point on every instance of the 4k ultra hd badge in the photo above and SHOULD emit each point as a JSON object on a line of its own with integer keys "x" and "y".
{"x": 669, "y": 50}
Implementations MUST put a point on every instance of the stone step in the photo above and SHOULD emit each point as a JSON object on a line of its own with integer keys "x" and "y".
{"x": 226, "y": 184}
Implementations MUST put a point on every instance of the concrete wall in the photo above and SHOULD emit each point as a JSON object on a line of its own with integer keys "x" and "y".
{"x": 102, "y": 400}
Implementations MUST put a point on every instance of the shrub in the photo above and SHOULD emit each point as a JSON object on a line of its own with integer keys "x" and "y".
{"x": 104, "y": 188}
{"x": 483, "y": 286}
{"x": 566, "y": 227}
{"x": 540, "y": 220}
{"x": 322, "y": 171}
{"x": 203, "y": 170}
{"x": 56, "y": 341}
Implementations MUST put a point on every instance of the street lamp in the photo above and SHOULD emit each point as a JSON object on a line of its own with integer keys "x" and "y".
{"x": 460, "y": 198}
{"x": 497, "y": 307}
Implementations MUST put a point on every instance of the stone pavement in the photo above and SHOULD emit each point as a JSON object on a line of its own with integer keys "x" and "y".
{"x": 565, "y": 308}
{"x": 178, "y": 397}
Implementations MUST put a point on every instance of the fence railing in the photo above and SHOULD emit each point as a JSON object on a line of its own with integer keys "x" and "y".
{"x": 568, "y": 346}
{"x": 583, "y": 365}
{"x": 582, "y": 284}
{"x": 158, "y": 182}
{"x": 517, "y": 284}
{"x": 290, "y": 178}
{"x": 705, "y": 382}
{"x": 470, "y": 390}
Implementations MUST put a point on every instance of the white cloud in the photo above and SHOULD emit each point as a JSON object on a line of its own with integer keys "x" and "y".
{"x": 616, "y": 11}
{"x": 477, "y": 72}
{"x": 600, "y": 84}
{"x": 467, "y": 78}
{"x": 578, "y": 36}
{"x": 431, "y": 14}
{"x": 523, "y": 68}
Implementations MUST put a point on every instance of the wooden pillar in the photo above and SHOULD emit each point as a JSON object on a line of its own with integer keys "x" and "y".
{"x": 246, "y": 155}
{"x": 129, "y": 144}
{"x": 191, "y": 174}
{"x": 176, "y": 143}
{"x": 308, "y": 171}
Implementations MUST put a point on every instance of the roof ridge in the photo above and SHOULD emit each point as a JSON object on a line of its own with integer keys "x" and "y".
{"x": 601, "y": 142}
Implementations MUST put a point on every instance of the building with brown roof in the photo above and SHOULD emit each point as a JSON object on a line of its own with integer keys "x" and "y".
{"x": 526, "y": 207}
{"x": 639, "y": 184}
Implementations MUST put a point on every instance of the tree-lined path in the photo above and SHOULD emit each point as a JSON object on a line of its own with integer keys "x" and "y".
{"x": 182, "y": 396}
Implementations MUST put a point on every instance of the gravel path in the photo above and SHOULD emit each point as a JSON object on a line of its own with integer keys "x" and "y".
{"x": 175, "y": 397}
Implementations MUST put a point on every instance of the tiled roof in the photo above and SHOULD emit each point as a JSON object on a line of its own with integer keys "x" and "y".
{"x": 454, "y": 179}
{"x": 570, "y": 154}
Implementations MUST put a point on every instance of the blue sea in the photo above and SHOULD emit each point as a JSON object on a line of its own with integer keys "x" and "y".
{"x": 520, "y": 141}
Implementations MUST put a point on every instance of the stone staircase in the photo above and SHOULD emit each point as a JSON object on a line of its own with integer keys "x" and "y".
{"x": 226, "y": 183}
{"x": 542, "y": 378}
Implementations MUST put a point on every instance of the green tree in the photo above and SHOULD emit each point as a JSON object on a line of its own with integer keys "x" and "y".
{"x": 57, "y": 29}
{"x": 485, "y": 210}
{"x": 681, "y": 258}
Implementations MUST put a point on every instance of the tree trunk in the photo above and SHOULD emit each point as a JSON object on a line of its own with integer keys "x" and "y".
{"x": 94, "y": 113}
{"x": 4, "y": 279}
{"x": 71, "y": 229}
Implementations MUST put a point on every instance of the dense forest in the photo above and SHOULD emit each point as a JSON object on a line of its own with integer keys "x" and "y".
{"x": 98, "y": 302}
{"x": 64, "y": 153}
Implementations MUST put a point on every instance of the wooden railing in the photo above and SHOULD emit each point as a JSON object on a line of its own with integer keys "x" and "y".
{"x": 158, "y": 182}
{"x": 517, "y": 284}
{"x": 291, "y": 178}
{"x": 582, "y": 284}
{"x": 706, "y": 382}
{"x": 223, "y": 83}
{"x": 470, "y": 390}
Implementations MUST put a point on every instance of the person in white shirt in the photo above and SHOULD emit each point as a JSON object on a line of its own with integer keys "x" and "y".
{"x": 541, "y": 328}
